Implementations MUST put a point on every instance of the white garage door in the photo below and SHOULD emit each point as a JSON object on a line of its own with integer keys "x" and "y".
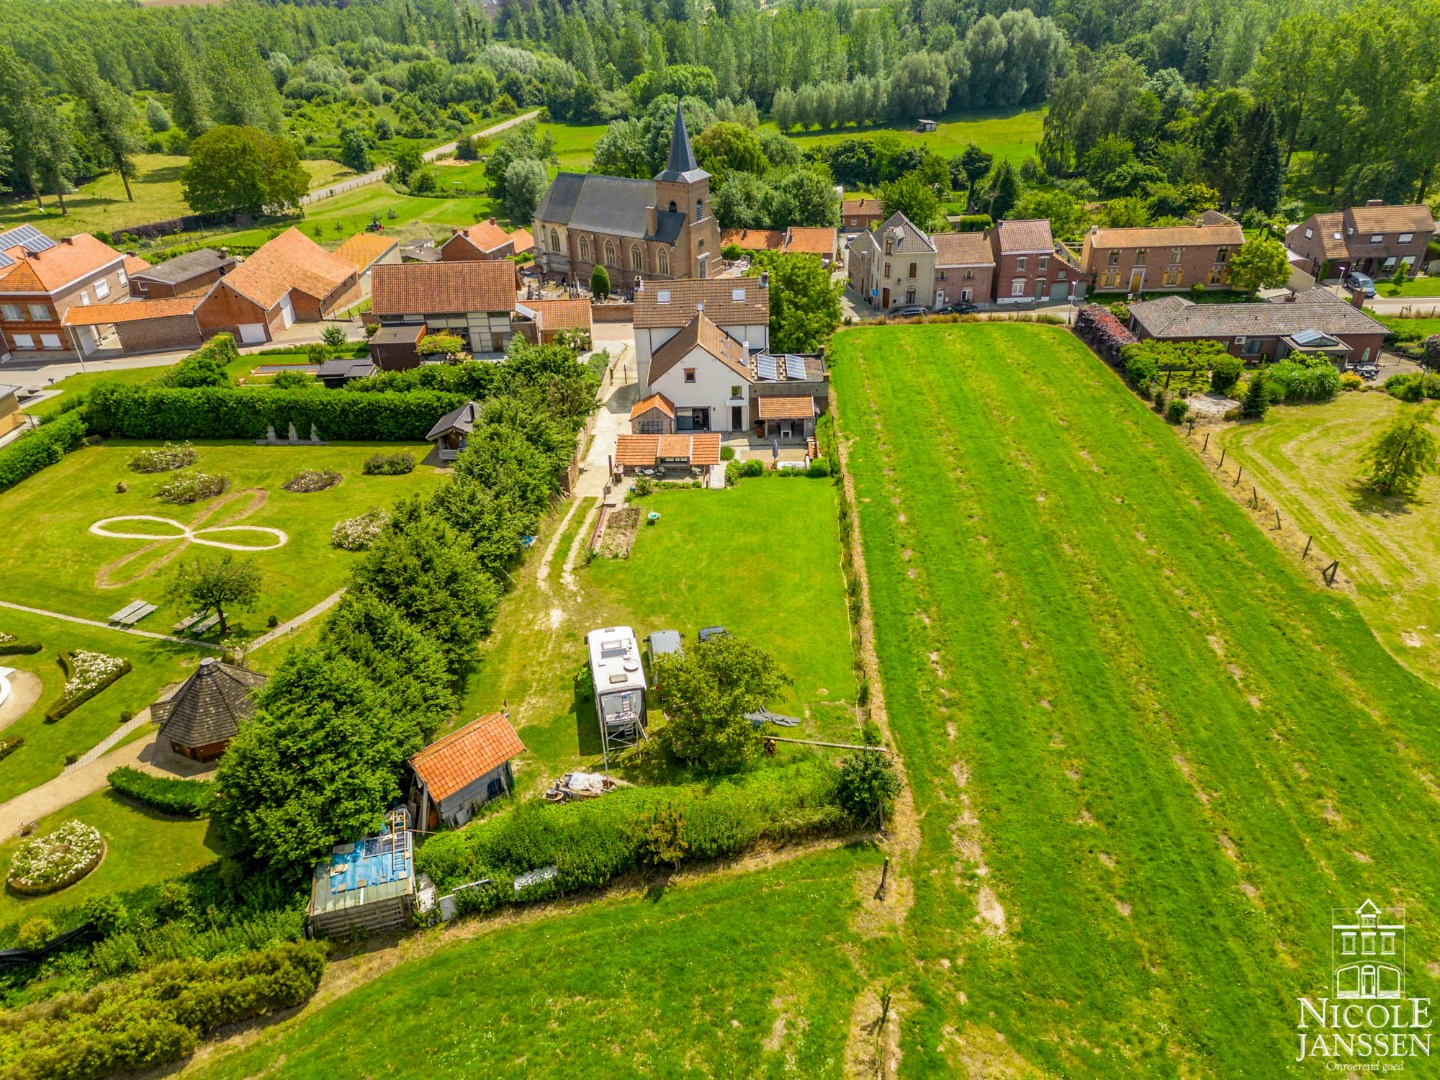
{"x": 287, "y": 310}
{"x": 251, "y": 333}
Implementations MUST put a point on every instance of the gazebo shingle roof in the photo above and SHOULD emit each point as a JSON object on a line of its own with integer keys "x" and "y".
{"x": 209, "y": 705}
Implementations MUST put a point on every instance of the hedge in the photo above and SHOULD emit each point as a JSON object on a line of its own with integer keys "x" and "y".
{"x": 65, "y": 706}
{"x": 158, "y": 1016}
{"x": 18, "y": 648}
{"x": 44, "y": 446}
{"x": 10, "y": 744}
{"x": 183, "y": 798}
{"x": 592, "y": 841}
{"x": 217, "y": 412}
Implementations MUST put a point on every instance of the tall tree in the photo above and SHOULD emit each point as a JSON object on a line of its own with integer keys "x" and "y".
{"x": 972, "y": 164}
{"x": 1261, "y": 263}
{"x": 804, "y": 301}
{"x": 241, "y": 170}
{"x": 1004, "y": 191}
{"x": 107, "y": 117}
{"x": 1403, "y": 454}
{"x": 1264, "y": 172}
{"x": 914, "y": 198}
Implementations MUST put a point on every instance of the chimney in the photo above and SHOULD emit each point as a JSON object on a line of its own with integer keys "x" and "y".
{"x": 491, "y": 221}
{"x": 639, "y": 285}
{"x": 1374, "y": 202}
{"x": 454, "y": 230}
{"x": 1290, "y": 298}
{"x": 68, "y": 240}
{"x": 224, "y": 253}
{"x": 1357, "y": 299}
{"x": 764, "y": 279}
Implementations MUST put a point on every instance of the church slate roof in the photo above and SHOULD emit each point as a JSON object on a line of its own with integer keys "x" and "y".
{"x": 682, "y": 168}
{"x": 611, "y": 205}
{"x": 209, "y": 705}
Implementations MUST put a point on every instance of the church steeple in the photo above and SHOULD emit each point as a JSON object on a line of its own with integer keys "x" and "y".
{"x": 682, "y": 167}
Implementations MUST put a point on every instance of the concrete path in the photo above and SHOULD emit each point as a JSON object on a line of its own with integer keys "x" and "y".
{"x": 298, "y": 621}
{"x": 102, "y": 748}
{"x": 71, "y": 786}
{"x": 618, "y": 394}
{"x": 106, "y": 626}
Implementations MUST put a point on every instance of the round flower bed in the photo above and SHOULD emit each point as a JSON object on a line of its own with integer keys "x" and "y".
{"x": 165, "y": 458}
{"x": 49, "y": 863}
{"x": 312, "y": 480}
{"x": 192, "y": 487}
{"x": 358, "y": 533}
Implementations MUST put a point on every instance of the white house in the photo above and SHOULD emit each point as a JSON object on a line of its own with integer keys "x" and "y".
{"x": 705, "y": 373}
{"x": 738, "y": 306}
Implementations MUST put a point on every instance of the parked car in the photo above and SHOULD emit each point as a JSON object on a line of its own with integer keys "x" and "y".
{"x": 911, "y": 312}
{"x": 962, "y": 308}
{"x": 1356, "y": 280}
{"x": 712, "y": 631}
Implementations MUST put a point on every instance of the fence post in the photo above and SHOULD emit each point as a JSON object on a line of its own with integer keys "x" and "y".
{"x": 1277, "y": 519}
{"x": 1207, "y": 443}
{"x": 1222, "y": 458}
{"x": 1304, "y": 554}
{"x": 1238, "y": 475}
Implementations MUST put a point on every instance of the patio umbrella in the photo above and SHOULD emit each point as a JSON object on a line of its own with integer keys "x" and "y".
{"x": 775, "y": 449}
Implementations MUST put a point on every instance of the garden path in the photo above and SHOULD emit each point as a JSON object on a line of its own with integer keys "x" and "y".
{"x": 74, "y": 784}
{"x": 135, "y": 723}
{"x": 299, "y": 620}
{"x": 25, "y": 690}
{"x": 106, "y": 626}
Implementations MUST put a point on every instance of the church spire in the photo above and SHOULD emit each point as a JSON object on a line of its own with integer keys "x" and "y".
{"x": 682, "y": 167}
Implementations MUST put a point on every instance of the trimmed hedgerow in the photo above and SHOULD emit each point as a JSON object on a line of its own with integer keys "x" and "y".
{"x": 157, "y": 1016}
{"x": 10, "y": 645}
{"x": 44, "y": 446}
{"x": 183, "y": 798}
{"x": 86, "y": 674}
{"x": 217, "y": 412}
{"x": 591, "y": 842}
{"x": 1103, "y": 332}
{"x": 397, "y": 464}
{"x": 9, "y": 744}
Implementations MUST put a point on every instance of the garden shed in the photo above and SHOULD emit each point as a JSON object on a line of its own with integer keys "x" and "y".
{"x": 464, "y": 770}
{"x": 367, "y": 885}
{"x": 200, "y": 718}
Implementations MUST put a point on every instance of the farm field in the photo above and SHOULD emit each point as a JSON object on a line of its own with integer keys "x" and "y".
{"x": 1148, "y": 753}
{"x": 101, "y": 204}
{"x": 58, "y": 564}
{"x": 142, "y": 848}
{"x": 781, "y": 587}
{"x": 1008, "y": 136}
{"x": 723, "y": 975}
{"x": 1306, "y": 459}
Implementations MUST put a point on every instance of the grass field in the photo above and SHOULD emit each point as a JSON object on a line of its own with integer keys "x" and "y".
{"x": 714, "y": 558}
{"x": 141, "y": 848}
{"x": 1416, "y": 286}
{"x": 1306, "y": 459}
{"x": 1008, "y": 136}
{"x": 711, "y": 976}
{"x": 1149, "y": 754}
{"x": 155, "y": 664}
{"x": 55, "y": 563}
{"x": 101, "y": 204}
{"x": 1426, "y": 327}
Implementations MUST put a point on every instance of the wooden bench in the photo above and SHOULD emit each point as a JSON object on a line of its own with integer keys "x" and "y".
{"x": 127, "y": 611}
{"x": 205, "y": 626}
{"x": 187, "y": 622}
{"x": 138, "y": 614}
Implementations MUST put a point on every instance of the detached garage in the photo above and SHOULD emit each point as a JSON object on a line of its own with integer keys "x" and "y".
{"x": 146, "y": 325}
{"x": 289, "y": 278}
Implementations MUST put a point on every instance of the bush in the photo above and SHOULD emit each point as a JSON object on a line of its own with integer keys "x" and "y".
{"x": 1141, "y": 370}
{"x": 165, "y": 458}
{"x": 731, "y": 252}
{"x": 1103, "y": 332}
{"x": 1430, "y": 353}
{"x": 182, "y": 798}
{"x": 86, "y": 674}
{"x": 1351, "y": 381}
{"x": 753, "y": 467}
{"x": 396, "y": 464}
{"x": 205, "y": 366}
{"x": 312, "y": 480}
{"x": 817, "y": 468}
{"x": 1225, "y": 372}
{"x": 1304, "y": 378}
{"x": 1177, "y": 410}
{"x": 1120, "y": 310}
{"x": 9, "y": 744}
{"x": 10, "y": 645}
{"x": 148, "y": 412}
{"x": 727, "y": 453}
{"x": 358, "y": 533}
{"x": 1409, "y": 388}
{"x": 1256, "y": 402}
{"x": 867, "y": 786}
{"x": 293, "y": 380}
{"x": 35, "y": 932}
{"x": 36, "y": 449}
{"x": 973, "y": 222}
{"x": 191, "y": 488}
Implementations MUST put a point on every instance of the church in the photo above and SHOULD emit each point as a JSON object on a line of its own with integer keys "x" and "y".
{"x": 658, "y": 229}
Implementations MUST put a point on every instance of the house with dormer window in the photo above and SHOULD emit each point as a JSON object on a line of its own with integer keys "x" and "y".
{"x": 1373, "y": 239}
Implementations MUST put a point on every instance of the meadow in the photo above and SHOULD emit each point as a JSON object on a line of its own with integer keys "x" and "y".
{"x": 1306, "y": 459}
{"x": 1149, "y": 753}
{"x": 1010, "y": 136}
{"x": 694, "y": 568}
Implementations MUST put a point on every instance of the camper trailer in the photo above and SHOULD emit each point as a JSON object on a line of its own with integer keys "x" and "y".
{"x": 620, "y": 687}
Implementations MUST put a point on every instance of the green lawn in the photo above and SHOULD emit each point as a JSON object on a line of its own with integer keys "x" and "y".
{"x": 1139, "y": 736}
{"x": 1306, "y": 459}
{"x": 1416, "y": 286}
{"x": 1008, "y": 136}
{"x": 73, "y": 386}
{"x": 141, "y": 848}
{"x": 1426, "y": 327}
{"x": 101, "y": 204}
{"x": 55, "y": 563}
{"x": 762, "y": 559}
{"x": 155, "y": 664}
{"x": 711, "y": 976}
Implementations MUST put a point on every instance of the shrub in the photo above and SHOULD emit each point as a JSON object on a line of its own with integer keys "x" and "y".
{"x": 1256, "y": 402}
{"x": 867, "y": 786}
{"x": 731, "y": 252}
{"x": 35, "y": 932}
{"x": 1140, "y": 369}
{"x": 1408, "y": 387}
{"x": 1430, "y": 354}
{"x": 819, "y": 467}
{"x": 396, "y": 464}
{"x": 312, "y": 480}
{"x": 753, "y": 467}
{"x": 1120, "y": 310}
{"x": 182, "y": 798}
{"x": 1304, "y": 378}
{"x": 727, "y": 453}
{"x": 9, "y": 744}
{"x": 86, "y": 674}
{"x": 1103, "y": 332}
{"x": 48, "y": 863}
{"x": 10, "y": 645}
{"x": 293, "y": 380}
{"x": 1351, "y": 381}
{"x": 1177, "y": 410}
{"x": 165, "y": 458}
{"x": 192, "y": 487}
{"x": 358, "y": 533}
{"x": 36, "y": 449}
{"x": 1225, "y": 372}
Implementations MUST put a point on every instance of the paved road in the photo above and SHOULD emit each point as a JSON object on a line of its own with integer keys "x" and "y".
{"x": 374, "y": 176}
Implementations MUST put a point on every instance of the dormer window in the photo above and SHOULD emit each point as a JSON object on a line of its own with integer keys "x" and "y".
{"x": 663, "y": 296}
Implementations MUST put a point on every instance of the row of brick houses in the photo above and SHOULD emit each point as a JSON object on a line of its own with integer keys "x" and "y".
{"x": 42, "y": 279}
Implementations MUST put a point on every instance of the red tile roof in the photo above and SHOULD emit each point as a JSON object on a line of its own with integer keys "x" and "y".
{"x": 700, "y": 450}
{"x": 661, "y": 304}
{"x": 962, "y": 249}
{"x": 860, "y": 208}
{"x": 442, "y": 288}
{"x": 810, "y": 240}
{"x": 55, "y": 267}
{"x": 362, "y": 249}
{"x": 524, "y": 241}
{"x": 164, "y": 307}
{"x": 466, "y": 754}
{"x": 290, "y": 261}
{"x": 654, "y": 401}
{"x": 786, "y": 408}
{"x": 135, "y": 265}
{"x": 1025, "y": 237}
{"x": 753, "y": 239}
{"x": 485, "y": 235}
{"x": 552, "y": 315}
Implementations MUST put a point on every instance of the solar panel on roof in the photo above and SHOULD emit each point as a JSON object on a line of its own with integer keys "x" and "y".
{"x": 794, "y": 367}
{"x": 765, "y": 365}
{"x": 26, "y": 236}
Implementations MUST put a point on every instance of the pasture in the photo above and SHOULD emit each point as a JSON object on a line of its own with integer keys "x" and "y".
{"x": 1148, "y": 752}
{"x": 1009, "y": 136}
{"x": 1306, "y": 459}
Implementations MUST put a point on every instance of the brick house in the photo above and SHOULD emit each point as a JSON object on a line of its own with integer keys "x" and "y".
{"x": 810, "y": 240}
{"x": 473, "y": 300}
{"x": 185, "y": 273}
{"x": 289, "y": 279}
{"x": 739, "y": 306}
{"x": 964, "y": 268}
{"x": 894, "y": 266}
{"x": 1372, "y": 239}
{"x": 860, "y": 215}
{"x": 1157, "y": 259}
{"x": 1313, "y": 321}
{"x": 167, "y": 322}
{"x": 484, "y": 242}
{"x": 41, "y": 279}
{"x": 1029, "y": 265}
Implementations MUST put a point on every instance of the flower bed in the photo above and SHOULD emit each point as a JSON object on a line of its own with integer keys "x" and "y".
{"x": 358, "y": 533}
{"x": 313, "y": 480}
{"x": 192, "y": 487}
{"x": 86, "y": 674}
{"x": 165, "y": 458}
{"x": 52, "y": 862}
